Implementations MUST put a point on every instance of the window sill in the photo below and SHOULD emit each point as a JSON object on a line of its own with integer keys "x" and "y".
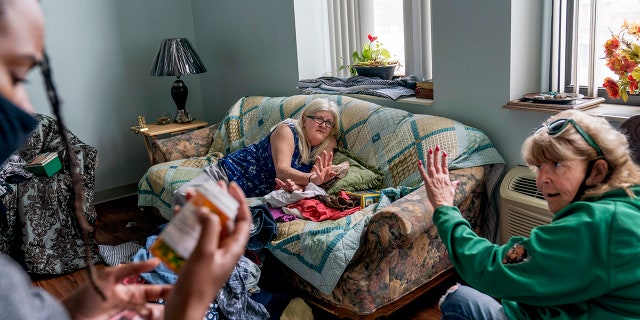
{"x": 408, "y": 100}
{"x": 611, "y": 112}
{"x": 614, "y": 112}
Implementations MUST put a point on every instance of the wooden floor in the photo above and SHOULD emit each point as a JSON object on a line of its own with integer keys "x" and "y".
{"x": 121, "y": 221}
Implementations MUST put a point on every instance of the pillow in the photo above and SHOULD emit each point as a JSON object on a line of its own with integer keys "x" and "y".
{"x": 340, "y": 170}
{"x": 187, "y": 145}
{"x": 360, "y": 176}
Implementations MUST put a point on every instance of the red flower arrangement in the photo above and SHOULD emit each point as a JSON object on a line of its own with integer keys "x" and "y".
{"x": 622, "y": 53}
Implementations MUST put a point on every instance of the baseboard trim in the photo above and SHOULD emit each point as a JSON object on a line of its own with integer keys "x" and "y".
{"x": 115, "y": 193}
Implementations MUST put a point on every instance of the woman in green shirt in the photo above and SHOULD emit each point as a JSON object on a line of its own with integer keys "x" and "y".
{"x": 584, "y": 264}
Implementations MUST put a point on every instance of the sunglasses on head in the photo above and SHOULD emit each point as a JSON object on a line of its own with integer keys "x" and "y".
{"x": 556, "y": 127}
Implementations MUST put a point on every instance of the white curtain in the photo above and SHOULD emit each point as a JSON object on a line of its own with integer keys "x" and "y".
{"x": 344, "y": 31}
{"x": 349, "y": 18}
{"x": 417, "y": 37}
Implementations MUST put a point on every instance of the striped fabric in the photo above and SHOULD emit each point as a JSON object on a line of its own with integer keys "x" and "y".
{"x": 122, "y": 253}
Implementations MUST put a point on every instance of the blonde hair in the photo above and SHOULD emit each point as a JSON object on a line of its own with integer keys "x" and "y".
{"x": 307, "y": 153}
{"x": 570, "y": 145}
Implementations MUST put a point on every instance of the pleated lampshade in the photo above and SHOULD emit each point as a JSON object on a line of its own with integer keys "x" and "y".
{"x": 176, "y": 57}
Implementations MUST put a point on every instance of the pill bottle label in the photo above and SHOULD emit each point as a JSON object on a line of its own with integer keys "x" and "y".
{"x": 180, "y": 237}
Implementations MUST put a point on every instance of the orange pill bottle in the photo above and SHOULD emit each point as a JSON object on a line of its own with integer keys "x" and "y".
{"x": 178, "y": 239}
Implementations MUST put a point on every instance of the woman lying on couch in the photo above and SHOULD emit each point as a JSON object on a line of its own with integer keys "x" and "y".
{"x": 292, "y": 146}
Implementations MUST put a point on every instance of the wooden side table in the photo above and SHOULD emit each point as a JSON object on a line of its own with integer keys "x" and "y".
{"x": 154, "y": 130}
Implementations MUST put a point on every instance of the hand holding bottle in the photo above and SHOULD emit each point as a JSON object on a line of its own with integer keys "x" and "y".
{"x": 211, "y": 262}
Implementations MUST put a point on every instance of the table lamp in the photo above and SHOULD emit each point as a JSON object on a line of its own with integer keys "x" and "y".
{"x": 177, "y": 57}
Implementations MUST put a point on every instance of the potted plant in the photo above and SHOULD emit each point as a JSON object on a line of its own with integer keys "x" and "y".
{"x": 374, "y": 61}
{"x": 622, "y": 53}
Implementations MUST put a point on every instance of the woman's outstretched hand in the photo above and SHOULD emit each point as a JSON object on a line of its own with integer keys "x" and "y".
{"x": 288, "y": 185}
{"x": 322, "y": 168}
{"x": 440, "y": 189}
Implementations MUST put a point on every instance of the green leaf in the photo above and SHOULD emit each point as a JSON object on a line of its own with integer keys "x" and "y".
{"x": 372, "y": 54}
{"x": 635, "y": 49}
{"x": 355, "y": 57}
{"x": 385, "y": 53}
{"x": 366, "y": 53}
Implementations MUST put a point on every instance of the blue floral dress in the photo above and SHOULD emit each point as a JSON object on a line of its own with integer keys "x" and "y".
{"x": 252, "y": 167}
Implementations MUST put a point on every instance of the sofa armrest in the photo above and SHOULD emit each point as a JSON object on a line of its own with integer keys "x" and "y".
{"x": 399, "y": 223}
{"x": 87, "y": 157}
{"x": 187, "y": 145}
{"x": 46, "y": 138}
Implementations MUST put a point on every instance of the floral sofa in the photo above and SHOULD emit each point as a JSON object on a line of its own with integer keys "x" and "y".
{"x": 376, "y": 260}
{"x": 38, "y": 227}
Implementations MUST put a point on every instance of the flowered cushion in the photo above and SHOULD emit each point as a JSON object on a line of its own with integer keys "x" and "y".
{"x": 191, "y": 144}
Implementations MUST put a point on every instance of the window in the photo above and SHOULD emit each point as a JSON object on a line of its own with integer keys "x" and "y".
{"x": 388, "y": 26}
{"x": 329, "y": 31}
{"x": 580, "y": 54}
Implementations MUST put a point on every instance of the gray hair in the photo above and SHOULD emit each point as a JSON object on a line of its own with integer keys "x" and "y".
{"x": 320, "y": 104}
{"x": 570, "y": 145}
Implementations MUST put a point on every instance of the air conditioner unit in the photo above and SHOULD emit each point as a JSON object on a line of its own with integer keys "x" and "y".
{"x": 522, "y": 206}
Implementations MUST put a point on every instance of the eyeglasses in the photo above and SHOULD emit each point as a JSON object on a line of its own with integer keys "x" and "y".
{"x": 320, "y": 120}
{"x": 556, "y": 127}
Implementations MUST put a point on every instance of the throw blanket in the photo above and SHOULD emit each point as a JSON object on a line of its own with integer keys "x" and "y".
{"x": 390, "y": 89}
{"x": 389, "y": 195}
{"x": 320, "y": 251}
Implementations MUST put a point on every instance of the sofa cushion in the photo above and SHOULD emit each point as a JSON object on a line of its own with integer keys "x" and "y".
{"x": 187, "y": 145}
{"x": 361, "y": 176}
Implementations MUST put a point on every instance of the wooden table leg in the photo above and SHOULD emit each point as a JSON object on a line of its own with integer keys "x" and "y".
{"x": 149, "y": 150}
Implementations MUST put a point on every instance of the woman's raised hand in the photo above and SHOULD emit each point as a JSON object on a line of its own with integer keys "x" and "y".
{"x": 322, "y": 168}
{"x": 440, "y": 189}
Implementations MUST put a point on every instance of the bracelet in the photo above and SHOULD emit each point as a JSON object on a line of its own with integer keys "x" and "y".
{"x": 310, "y": 178}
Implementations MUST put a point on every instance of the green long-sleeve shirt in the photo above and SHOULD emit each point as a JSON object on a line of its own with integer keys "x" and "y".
{"x": 585, "y": 264}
